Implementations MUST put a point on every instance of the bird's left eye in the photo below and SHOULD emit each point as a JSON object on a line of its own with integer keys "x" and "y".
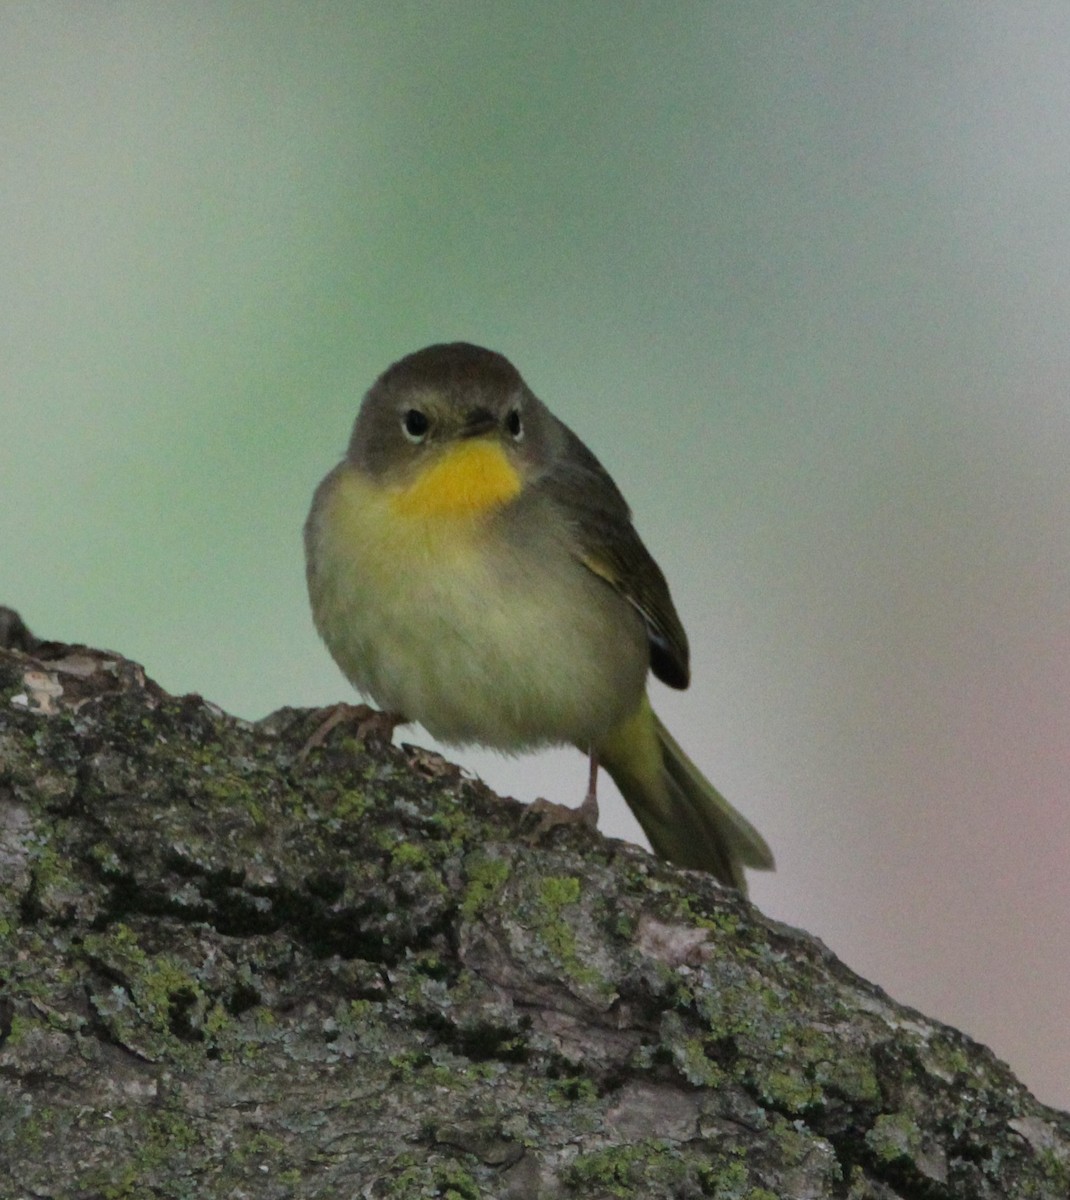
{"x": 514, "y": 425}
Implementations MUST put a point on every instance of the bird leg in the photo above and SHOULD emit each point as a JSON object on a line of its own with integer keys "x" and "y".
{"x": 551, "y": 815}
{"x": 588, "y": 810}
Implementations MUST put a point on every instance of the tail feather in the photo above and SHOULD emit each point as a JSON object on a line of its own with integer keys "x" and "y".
{"x": 686, "y": 819}
{"x": 705, "y": 823}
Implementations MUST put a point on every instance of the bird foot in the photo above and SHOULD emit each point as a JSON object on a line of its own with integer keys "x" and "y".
{"x": 550, "y": 815}
{"x": 369, "y": 724}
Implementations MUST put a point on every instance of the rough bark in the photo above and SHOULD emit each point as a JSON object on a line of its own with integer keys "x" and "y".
{"x": 227, "y": 970}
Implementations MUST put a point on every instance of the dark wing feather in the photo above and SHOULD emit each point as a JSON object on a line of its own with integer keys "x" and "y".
{"x": 607, "y": 544}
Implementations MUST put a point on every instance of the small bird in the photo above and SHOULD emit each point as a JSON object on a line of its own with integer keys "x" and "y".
{"x": 472, "y": 566}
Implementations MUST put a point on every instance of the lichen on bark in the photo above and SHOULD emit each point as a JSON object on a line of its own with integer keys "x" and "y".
{"x": 228, "y": 968}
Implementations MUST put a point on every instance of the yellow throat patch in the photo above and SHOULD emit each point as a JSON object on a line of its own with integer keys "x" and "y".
{"x": 467, "y": 478}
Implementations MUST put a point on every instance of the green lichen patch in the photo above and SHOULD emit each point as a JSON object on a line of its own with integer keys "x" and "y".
{"x": 655, "y": 1167}
{"x": 894, "y": 1138}
{"x": 485, "y": 876}
{"x": 556, "y": 914}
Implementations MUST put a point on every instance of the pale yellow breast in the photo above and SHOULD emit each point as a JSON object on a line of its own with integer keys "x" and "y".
{"x": 482, "y": 626}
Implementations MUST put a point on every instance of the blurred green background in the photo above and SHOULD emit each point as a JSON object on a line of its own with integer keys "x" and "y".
{"x": 798, "y": 274}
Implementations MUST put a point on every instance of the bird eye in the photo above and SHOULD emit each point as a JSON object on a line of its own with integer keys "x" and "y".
{"x": 514, "y": 425}
{"x": 415, "y": 424}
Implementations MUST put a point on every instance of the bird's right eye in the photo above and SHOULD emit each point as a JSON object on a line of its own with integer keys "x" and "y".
{"x": 415, "y": 424}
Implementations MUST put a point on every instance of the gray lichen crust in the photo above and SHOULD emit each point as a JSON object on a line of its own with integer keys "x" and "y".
{"x": 230, "y": 970}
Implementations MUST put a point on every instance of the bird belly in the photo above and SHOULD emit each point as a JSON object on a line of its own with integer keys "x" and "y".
{"x": 484, "y": 635}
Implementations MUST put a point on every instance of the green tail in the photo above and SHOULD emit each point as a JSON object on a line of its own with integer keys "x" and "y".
{"x": 686, "y": 819}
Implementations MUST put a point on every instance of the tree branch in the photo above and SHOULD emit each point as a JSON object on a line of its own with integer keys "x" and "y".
{"x": 230, "y": 970}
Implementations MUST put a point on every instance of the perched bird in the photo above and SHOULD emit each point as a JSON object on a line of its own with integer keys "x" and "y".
{"x": 473, "y": 567}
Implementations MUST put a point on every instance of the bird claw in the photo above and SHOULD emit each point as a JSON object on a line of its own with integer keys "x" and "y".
{"x": 550, "y": 815}
{"x": 369, "y": 725}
